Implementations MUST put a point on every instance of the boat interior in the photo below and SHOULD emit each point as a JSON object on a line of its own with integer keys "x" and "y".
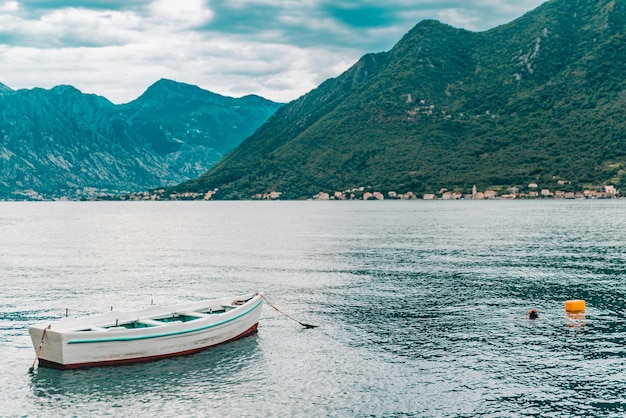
{"x": 161, "y": 320}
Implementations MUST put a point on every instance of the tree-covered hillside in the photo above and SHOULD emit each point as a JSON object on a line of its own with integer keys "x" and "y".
{"x": 540, "y": 99}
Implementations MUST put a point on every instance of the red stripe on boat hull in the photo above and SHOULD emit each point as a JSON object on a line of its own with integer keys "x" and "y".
{"x": 54, "y": 365}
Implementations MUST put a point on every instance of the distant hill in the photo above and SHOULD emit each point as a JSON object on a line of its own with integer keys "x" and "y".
{"x": 4, "y": 89}
{"x": 63, "y": 143}
{"x": 540, "y": 99}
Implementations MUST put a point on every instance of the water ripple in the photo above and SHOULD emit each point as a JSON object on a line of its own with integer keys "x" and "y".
{"x": 421, "y": 306}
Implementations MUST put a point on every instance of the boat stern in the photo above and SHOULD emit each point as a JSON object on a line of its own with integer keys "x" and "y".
{"x": 47, "y": 344}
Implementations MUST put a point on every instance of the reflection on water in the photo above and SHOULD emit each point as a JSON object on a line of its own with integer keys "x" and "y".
{"x": 203, "y": 375}
{"x": 574, "y": 319}
{"x": 216, "y": 368}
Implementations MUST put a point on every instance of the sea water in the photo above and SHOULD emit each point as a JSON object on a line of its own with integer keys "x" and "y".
{"x": 421, "y": 306}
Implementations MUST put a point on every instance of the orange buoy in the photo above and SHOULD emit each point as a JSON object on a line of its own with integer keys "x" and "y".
{"x": 576, "y": 305}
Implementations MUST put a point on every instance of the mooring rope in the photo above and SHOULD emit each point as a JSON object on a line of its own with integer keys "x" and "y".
{"x": 43, "y": 335}
{"x": 282, "y": 313}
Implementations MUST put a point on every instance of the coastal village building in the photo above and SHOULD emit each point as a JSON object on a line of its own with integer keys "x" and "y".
{"x": 610, "y": 190}
{"x": 267, "y": 196}
{"x": 598, "y": 192}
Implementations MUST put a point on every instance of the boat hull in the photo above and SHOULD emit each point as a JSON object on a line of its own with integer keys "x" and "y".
{"x": 85, "y": 342}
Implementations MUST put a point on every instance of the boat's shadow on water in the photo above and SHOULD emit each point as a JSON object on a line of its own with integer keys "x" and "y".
{"x": 208, "y": 370}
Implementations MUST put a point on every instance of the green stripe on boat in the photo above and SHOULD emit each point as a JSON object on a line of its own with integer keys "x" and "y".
{"x": 167, "y": 334}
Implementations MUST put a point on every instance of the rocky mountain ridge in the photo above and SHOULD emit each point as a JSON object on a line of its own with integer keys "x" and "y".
{"x": 64, "y": 143}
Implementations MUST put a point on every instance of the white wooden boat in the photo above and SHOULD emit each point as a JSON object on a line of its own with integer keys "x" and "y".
{"x": 153, "y": 333}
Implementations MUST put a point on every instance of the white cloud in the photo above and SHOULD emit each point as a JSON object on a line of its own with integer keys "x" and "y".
{"x": 9, "y": 7}
{"x": 180, "y": 13}
{"x": 82, "y": 27}
{"x": 279, "y": 49}
{"x": 71, "y": 27}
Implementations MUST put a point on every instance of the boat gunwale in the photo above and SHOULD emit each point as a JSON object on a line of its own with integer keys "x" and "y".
{"x": 163, "y": 334}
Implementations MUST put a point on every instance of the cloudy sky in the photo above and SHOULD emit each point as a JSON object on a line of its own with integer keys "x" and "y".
{"x": 279, "y": 49}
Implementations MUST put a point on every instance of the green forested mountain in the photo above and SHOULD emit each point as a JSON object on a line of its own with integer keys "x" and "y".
{"x": 540, "y": 99}
{"x": 64, "y": 143}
